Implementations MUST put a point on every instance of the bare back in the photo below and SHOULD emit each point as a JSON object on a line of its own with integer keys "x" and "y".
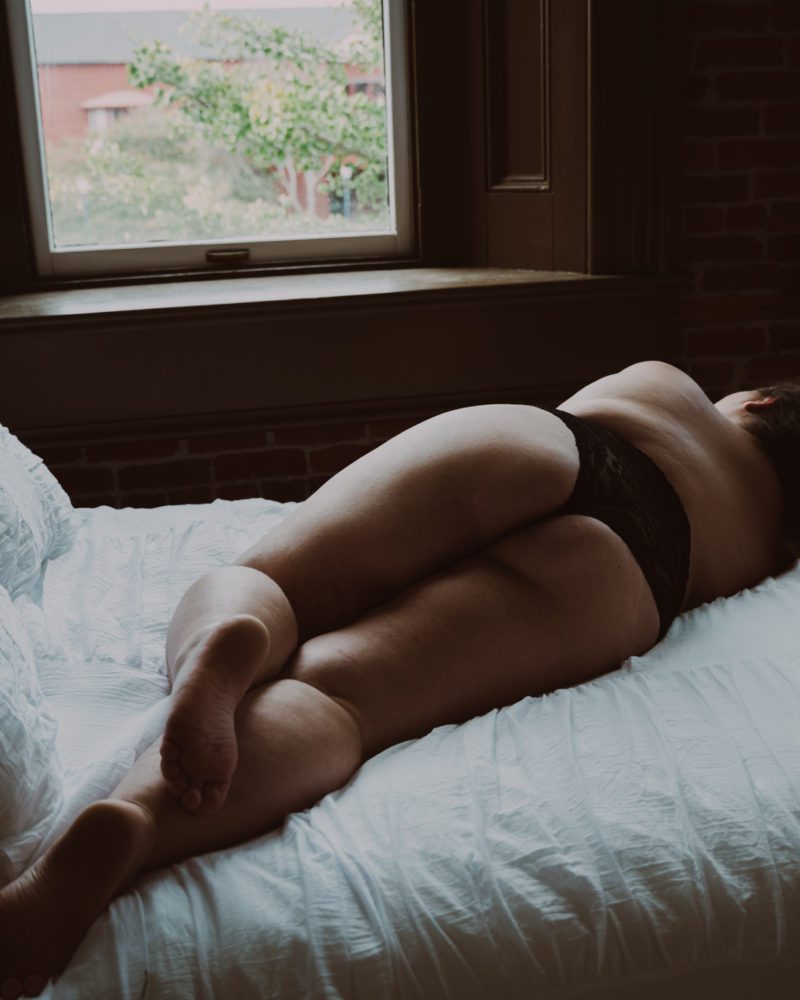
{"x": 727, "y": 485}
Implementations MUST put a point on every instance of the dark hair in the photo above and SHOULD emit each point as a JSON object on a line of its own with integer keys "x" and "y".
{"x": 777, "y": 430}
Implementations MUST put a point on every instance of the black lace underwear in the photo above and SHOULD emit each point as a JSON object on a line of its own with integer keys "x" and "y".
{"x": 622, "y": 487}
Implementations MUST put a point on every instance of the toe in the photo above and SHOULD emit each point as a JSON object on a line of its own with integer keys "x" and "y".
{"x": 177, "y": 786}
{"x": 11, "y": 989}
{"x": 192, "y": 798}
{"x": 169, "y": 750}
{"x": 171, "y": 769}
{"x": 214, "y": 794}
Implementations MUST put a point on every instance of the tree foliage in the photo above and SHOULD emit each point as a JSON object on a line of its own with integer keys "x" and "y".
{"x": 149, "y": 179}
{"x": 277, "y": 100}
{"x": 232, "y": 145}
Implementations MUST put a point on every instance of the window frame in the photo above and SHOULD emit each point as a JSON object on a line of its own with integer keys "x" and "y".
{"x": 54, "y": 263}
{"x": 632, "y": 110}
{"x": 343, "y": 337}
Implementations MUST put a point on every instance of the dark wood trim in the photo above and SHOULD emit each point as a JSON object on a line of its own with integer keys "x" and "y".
{"x": 443, "y": 114}
{"x": 18, "y": 271}
{"x": 619, "y": 150}
{"x": 635, "y": 87}
{"x": 230, "y": 362}
{"x": 295, "y": 294}
{"x": 517, "y": 59}
{"x": 200, "y": 350}
{"x": 16, "y": 247}
{"x": 569, "y": 111}
{"x": 531, "y": 223}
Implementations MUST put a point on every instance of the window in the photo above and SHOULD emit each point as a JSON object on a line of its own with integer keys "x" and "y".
{"x": 163, "y": 134}
{"x": 596, "y": 89}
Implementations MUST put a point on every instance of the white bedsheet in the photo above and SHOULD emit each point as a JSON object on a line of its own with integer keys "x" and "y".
{"x": 632, "y": 837}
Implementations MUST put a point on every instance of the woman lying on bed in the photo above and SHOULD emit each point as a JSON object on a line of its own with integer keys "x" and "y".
{"x": 486, "y": 554}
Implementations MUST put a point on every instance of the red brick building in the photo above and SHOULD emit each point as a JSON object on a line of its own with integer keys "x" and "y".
{"x": 83, "y": 58}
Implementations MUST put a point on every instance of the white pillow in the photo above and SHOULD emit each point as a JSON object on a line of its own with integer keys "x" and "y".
{"x": 36, "y": 516}
{"x": 30, "y": 775}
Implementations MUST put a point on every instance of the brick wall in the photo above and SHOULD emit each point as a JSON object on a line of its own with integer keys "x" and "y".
{"x": 287, "y": 462}
{"x": 741, "y": 193}
{"x": 62, "y": 90}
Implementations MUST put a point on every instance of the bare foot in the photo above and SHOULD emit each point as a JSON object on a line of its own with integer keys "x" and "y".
{"x": 45, "y": 913}
{"x": 199, "y": 751}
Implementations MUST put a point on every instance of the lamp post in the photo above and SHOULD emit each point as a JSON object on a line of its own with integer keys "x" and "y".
{"x": 346, "y": 172}
{"x": 84, "y": 187}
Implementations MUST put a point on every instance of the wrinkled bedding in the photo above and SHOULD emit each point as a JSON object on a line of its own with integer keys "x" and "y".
{"x": 634, "y": 836}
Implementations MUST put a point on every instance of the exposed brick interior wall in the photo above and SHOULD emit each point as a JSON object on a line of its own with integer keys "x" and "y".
{"x": 740, "y": 243}
{"x": 741, "y": 193}
{"x": 287, "y": 462}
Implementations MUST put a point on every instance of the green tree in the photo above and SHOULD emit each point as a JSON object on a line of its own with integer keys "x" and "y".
{"x": 277, "y": 100}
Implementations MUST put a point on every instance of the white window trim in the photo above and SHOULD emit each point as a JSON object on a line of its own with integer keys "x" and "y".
{"x": 191, "y": 255}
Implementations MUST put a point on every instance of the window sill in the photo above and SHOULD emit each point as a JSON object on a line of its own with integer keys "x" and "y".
{"x": 326, "y": 290}
{"x": 225, "y": 349}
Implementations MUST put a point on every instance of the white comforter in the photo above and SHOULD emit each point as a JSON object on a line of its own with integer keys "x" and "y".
{"x": 631, "y": 837}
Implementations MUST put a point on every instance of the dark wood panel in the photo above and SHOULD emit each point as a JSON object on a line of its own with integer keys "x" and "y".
{"x": 441, "y": 75}
{"x": 68, "y": 371}
{"x": 16, "y": 246}
{"x": 636, "y": 87}
{"x": 530, "y": 194}
{"x": 570, "y": 130}
{"x": 519, "y": 229}
{"x": 516, "y": 71}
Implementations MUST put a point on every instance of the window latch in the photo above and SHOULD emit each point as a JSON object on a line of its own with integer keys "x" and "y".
{"x": 236, "y": 255}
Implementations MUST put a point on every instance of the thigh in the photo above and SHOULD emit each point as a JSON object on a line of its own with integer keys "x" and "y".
{"x": 545, "y": 607}
{"x": 431, "y": 495}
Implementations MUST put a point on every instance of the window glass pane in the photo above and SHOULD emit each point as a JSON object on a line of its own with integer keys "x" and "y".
{"x": 178, "y": 121}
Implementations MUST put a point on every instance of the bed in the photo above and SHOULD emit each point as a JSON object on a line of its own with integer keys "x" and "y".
{"x": 636, "y": 836}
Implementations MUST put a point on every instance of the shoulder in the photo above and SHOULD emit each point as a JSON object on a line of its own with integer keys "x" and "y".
{"x": 658, "y": 371}
{"x": 664, "y": 387}
{"x": 646, "y": 386}
{"x": 661, "y": 368}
